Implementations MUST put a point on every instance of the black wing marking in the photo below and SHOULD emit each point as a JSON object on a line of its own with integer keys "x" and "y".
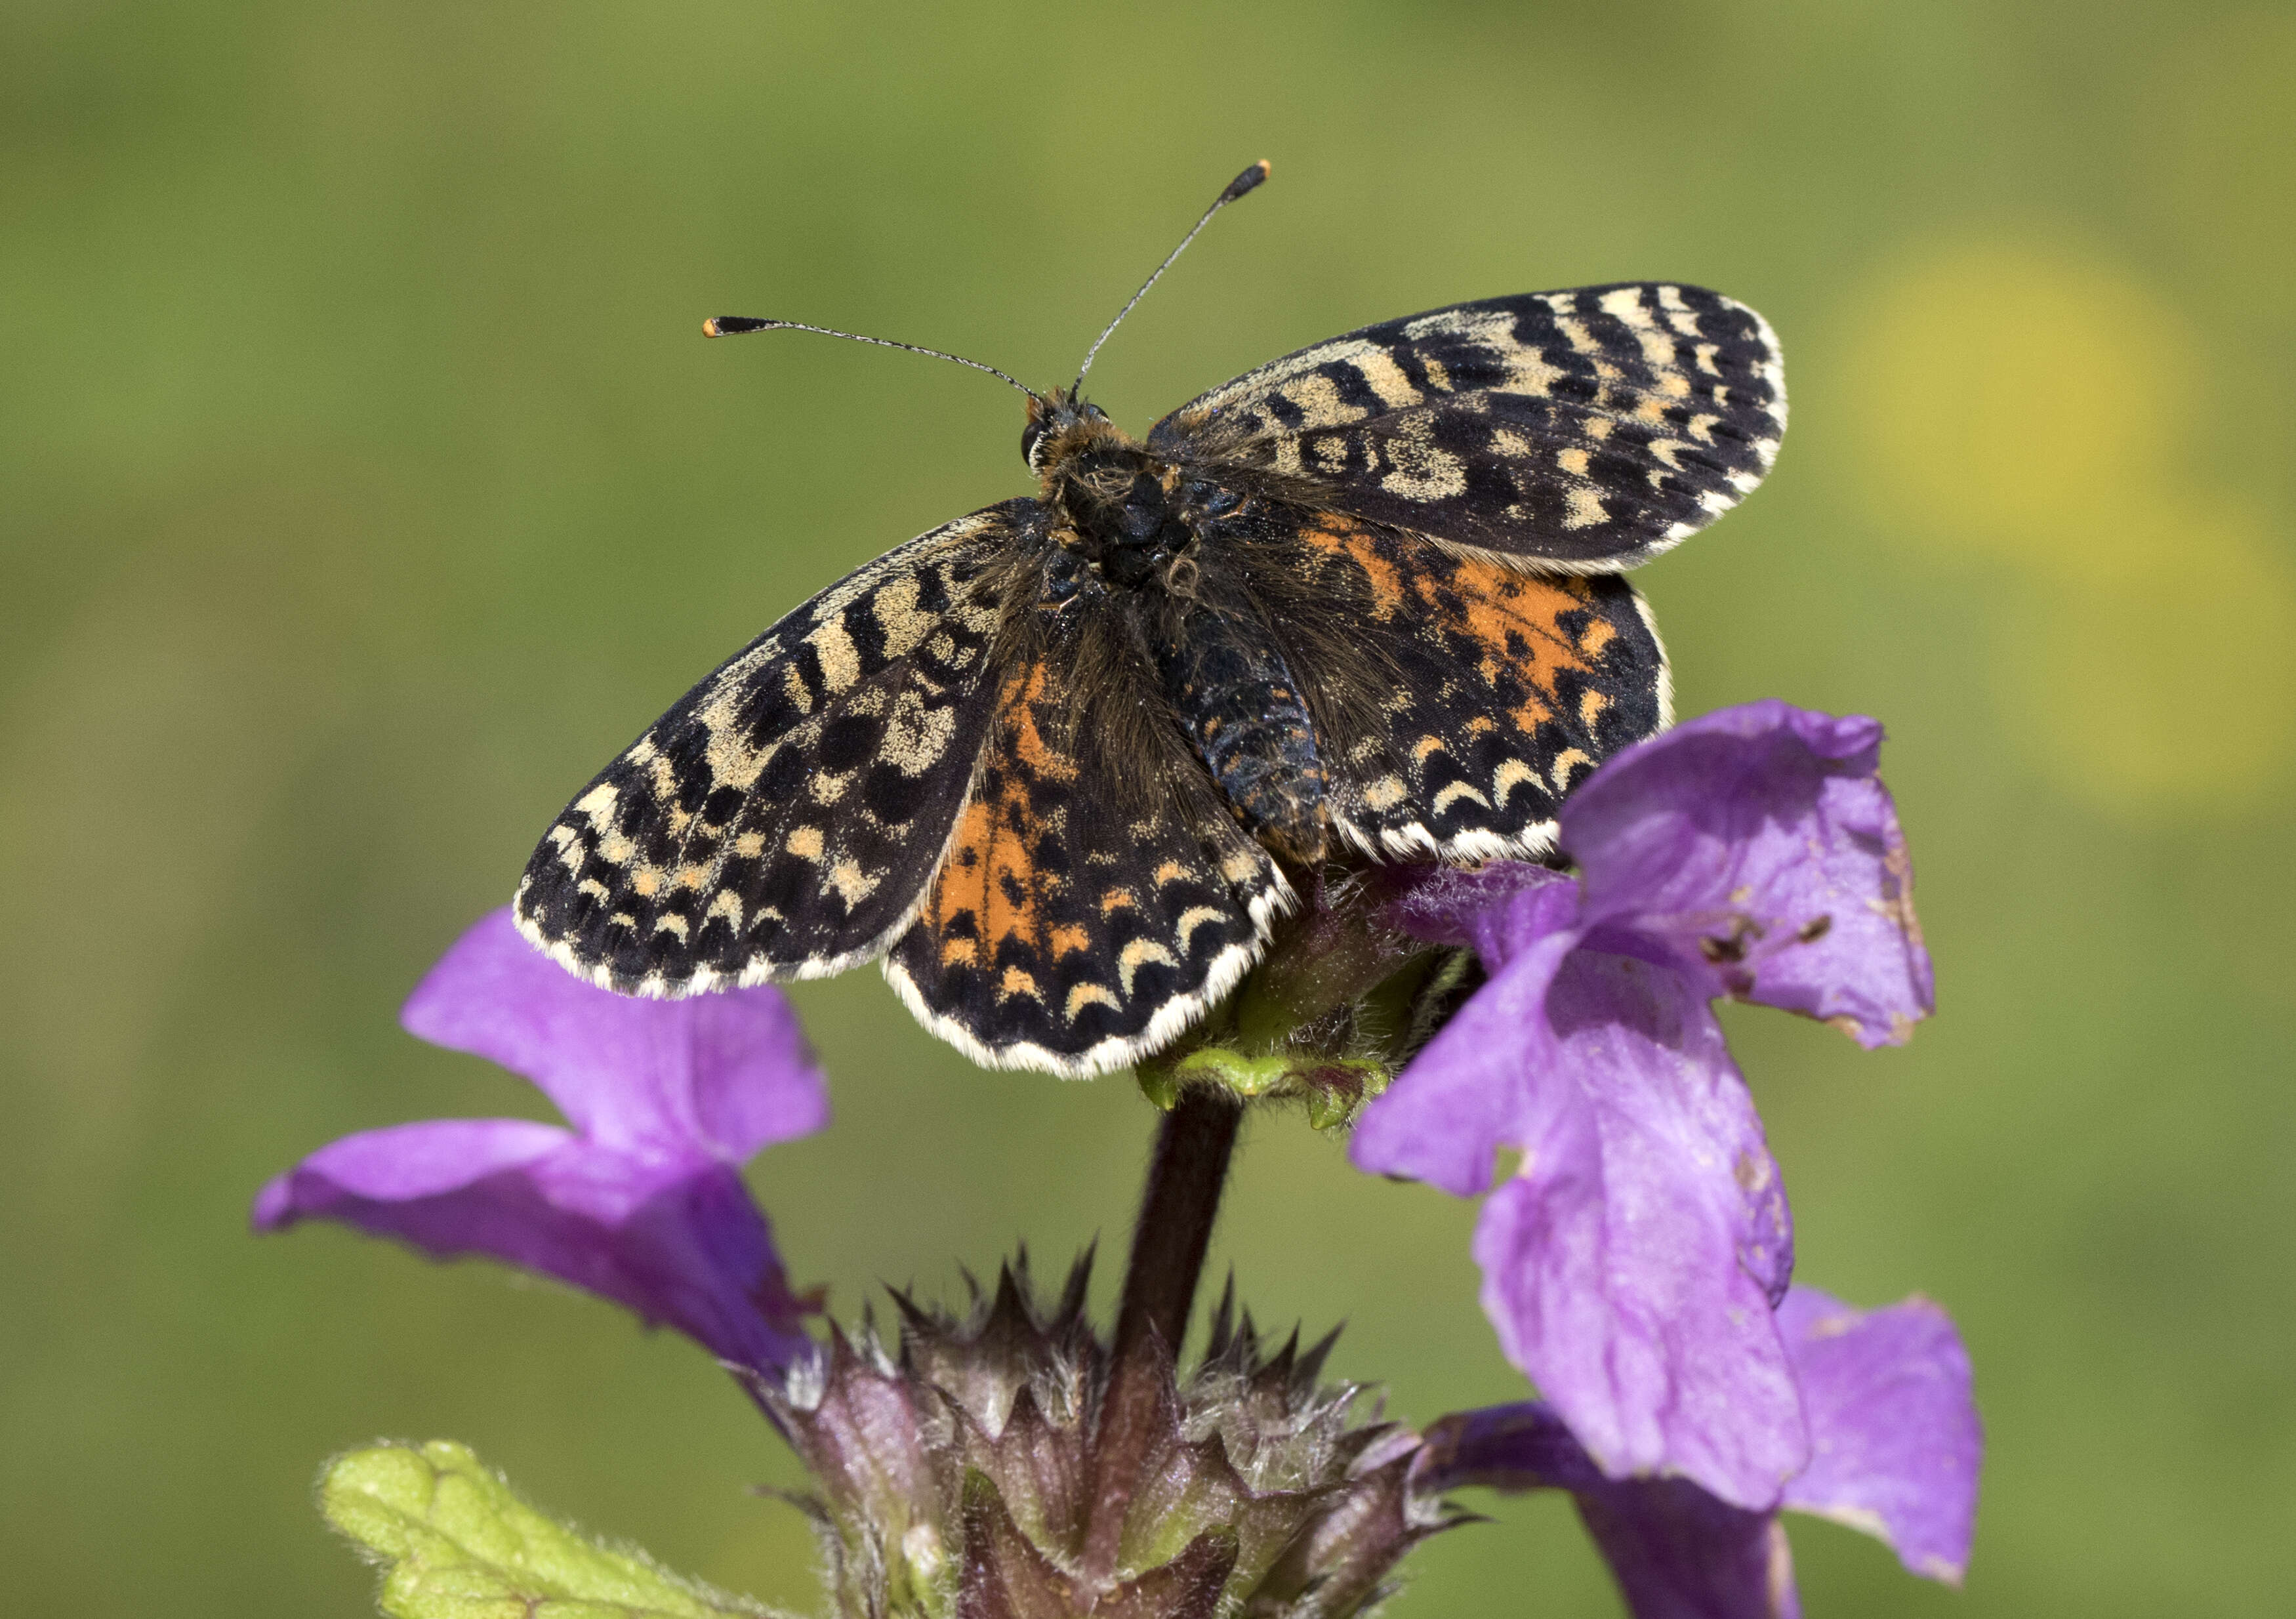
{"x": 1588, "y": 430}
{"x": 783, "y": 819}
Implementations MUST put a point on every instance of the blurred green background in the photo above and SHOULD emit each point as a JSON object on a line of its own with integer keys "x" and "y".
{"x": 364, "y": 483}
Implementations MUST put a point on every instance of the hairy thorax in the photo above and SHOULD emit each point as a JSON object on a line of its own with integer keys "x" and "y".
{"x": 1140, "y": 539}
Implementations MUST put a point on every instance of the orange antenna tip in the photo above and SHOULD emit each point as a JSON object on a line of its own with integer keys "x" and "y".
{"x": 1248, "y": 180}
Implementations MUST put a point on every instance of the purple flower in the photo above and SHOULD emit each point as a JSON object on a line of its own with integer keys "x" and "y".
{"x": 1895, "y": 1448}
{"x": 1632, "y": 1262}
{"x": 642, "y": 1202}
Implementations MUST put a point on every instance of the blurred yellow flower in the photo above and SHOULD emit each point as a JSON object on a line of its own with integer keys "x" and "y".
{"x": 2016, "y": 398}
{"x": 2027, "y": 406}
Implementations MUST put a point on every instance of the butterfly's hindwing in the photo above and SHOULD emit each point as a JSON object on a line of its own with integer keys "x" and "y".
{"x": 1585, "y": 429}
{"x": 1095, "y": 899}
{"x": 783, "y": 820}
{"x": 1473, "y": 695}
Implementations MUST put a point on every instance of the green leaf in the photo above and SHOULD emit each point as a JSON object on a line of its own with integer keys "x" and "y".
{"x": 456, "y": 1542}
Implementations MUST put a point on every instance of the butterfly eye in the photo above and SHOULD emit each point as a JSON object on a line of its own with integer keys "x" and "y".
{"x": 1030, "y": 436}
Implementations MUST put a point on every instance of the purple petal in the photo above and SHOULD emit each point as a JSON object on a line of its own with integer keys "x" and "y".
{"x": 1895, "y": 1439}
{"x": 715, "y": 1076}
{"x": 1895, "y": 1452}
{"x": 1627, "y": 1268}
{"x": 1676, "y": 1552}
{"x": 1468, "y": 1093}
{"x": 1522, "y": 1446}
{"x": 680, "y": 1244}
{"x": 1757, "y": 846}
{"x": 406, "y": 1160}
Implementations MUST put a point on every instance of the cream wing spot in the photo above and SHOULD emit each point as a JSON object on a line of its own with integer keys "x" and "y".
{"x": 1140, "y": 953}
{"x": 1089, "y": 995}
{"x": 898, "y": 620}
{"x": 1509, "y": 775}
{"x": 1625, "y": 304}
{"x": 1192, "y": 919}
{"x": 1419, "y": 470}
{"x": 1385, "y": 378}
{"x": 841, "y": 663}
{"x": 1456, "y": 791}
{"x": 1385, "y": 794}
{"x": 917, "y": 736}
{"x": 828, "y": 787}
{"x": 1581, "y": 340}
{"x": 1583, "y": 509}
{"x": 1318, "y": 399}
{"x": 1017, "y": 982}
{"x": 598, "y": 803}
{"x": 852, "y": 884}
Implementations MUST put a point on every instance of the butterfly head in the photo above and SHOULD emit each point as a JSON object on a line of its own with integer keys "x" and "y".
{"x": 1062, "y": 428}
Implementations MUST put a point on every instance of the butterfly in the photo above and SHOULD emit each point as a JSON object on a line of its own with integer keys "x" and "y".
{"x": 1062, "y": 764}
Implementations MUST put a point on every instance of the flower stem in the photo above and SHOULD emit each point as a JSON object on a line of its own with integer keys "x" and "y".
{"x": 1178, "y": 1206}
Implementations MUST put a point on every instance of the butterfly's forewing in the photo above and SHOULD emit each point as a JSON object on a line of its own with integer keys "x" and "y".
{"x": 1097, "y": 897}
{"x": 1470, "y": 695}
{"x": 1583, "y": 430}
{"x": 783, "y": 820}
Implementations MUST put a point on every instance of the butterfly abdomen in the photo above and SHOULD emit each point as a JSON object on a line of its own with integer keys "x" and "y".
{"x": 1242, "y": 708}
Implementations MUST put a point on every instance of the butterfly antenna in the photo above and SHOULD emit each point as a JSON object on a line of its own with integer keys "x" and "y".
{"x": 1248, "y": 181}
{"x": 734, "y": 326}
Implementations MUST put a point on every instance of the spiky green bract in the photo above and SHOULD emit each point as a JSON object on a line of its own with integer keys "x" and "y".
{"x": 455, "y": 1542}
{"x": 959, "y": 1472}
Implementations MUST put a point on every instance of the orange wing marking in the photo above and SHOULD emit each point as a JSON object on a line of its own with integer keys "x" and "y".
{"x": 991, "y": 879}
